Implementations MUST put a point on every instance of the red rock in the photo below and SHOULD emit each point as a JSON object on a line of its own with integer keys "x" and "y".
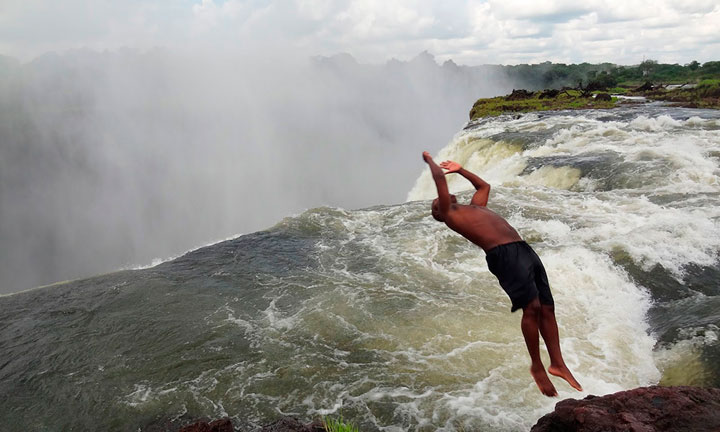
{"x": 221, "y": 425}
{"x": 284, "y": 424}
{"x": 645, "y": 409}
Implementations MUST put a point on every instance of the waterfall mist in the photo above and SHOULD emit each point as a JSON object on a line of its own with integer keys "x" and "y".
{"x": 112, "y": 159}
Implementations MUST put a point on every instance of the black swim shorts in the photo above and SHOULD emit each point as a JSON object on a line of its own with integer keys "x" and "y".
{"x": 521, "y": 273}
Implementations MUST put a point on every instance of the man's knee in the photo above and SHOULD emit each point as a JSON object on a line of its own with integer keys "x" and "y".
{"x": 533, "y": 309}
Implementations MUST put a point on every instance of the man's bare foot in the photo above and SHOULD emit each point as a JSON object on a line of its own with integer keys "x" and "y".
{"x": 543, "y": 382}
{"x": 564, "y": 373}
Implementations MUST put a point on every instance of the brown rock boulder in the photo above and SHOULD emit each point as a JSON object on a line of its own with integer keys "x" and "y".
{"x": 648, "y": 86}
{"x": 645, "y": 409}
{"x": 603, "y": 97}
{"x": 284, "y": 424}
{"x": 519, "y": 95}
{"x": 549, "y": 94}
{"x": 222, "y": 425}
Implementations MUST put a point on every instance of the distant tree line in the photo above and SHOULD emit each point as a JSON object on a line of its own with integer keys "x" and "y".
{"x": 607, "y": 75}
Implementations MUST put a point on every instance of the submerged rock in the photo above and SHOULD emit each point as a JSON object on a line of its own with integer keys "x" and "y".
{"x": 644, "y": 409}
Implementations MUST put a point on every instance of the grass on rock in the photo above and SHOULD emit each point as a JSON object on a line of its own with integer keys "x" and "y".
{"x": 338, "y": 425}
{"x": 565, "y": 100}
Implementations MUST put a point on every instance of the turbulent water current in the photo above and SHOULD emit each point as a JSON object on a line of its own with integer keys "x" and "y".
{"x": 388, "y": 318}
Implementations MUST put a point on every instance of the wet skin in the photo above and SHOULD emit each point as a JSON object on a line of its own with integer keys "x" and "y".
{"x": 487, "y": 229}
{"x": 480, "y": 225}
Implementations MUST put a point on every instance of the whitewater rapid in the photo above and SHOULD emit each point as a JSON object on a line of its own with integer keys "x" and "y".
{"x": 594, "y": 191}
{"x": 643, "y": 185}
{"x": 387, "y": 317}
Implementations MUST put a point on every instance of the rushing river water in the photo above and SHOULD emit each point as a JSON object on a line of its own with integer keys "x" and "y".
{"x": 388, "y": 318}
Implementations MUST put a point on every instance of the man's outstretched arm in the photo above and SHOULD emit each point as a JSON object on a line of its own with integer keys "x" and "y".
{"x": 440, "y": 183}
{"x": 483, "y": 188}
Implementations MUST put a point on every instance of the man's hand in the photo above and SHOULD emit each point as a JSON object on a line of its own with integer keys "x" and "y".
{"x": 426, "y": 157}
{"x": 450, "y": 166}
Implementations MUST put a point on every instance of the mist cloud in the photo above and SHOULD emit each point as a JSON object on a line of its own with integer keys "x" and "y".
{"x": 114, "y": 152}
{"x": 112, "y": 159}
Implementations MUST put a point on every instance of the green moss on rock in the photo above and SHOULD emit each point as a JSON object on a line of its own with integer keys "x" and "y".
{"x": 537, "y": 101}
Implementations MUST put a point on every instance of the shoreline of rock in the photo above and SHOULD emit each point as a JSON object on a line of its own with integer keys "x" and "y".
{"x": 522, "y": 101}
{"x": 643, "y": 409}
{"x": 283, "y": 424}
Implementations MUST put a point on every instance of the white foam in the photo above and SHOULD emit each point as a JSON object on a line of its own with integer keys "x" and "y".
{"x": 139, "y": 396}
{"x": 659, "y": 123}
{"x": 601, "y": 313}
{"x": 605, "y": 338}
{"x": 499, "y": 162}
{"x": 651, "y": 233}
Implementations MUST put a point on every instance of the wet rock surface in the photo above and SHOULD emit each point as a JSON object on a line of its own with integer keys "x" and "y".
{"x": 645, "y": 409}
{"x": 284, "y": 424}
{"x": 221, "y": 425}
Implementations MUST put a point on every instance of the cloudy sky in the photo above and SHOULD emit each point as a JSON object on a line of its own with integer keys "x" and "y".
{"x": 470, "y": 32}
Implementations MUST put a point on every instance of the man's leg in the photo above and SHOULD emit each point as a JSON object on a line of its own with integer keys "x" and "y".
{"x": 529, "y": 325}
{"x": 549, "y": 332}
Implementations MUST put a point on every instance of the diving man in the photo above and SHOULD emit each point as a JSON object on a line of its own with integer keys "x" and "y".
{"x": 518, "y": 268}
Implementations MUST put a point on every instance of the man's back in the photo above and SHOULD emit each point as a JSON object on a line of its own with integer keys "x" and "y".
{"x": 480, "y": 225}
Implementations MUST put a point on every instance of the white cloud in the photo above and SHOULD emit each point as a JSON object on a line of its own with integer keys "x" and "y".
{"x": 552, "y": 10}
{"x": 316, "y": 10}
{"x": 469, "y": 31}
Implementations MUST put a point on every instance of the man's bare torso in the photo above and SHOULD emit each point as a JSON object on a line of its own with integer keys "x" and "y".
{"x": 481, "y": 226}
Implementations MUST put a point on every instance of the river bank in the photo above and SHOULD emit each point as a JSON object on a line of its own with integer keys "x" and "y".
{"x": 521, "y": 101}
{"x": 706, "y": 94}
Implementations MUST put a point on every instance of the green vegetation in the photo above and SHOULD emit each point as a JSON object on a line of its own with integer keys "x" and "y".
{"x": 536, "y": 101}
{"x": 648, "y": 79}
{"x": 705, "y": 95}
{"x": 709, "y": 88}
{"x": 607, "y": 75}
{"x": 338, "y": 425}
{"x": 650, "y": 70}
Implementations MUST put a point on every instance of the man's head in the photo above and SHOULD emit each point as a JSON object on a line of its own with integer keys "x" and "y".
{"x": 435, "y": 208}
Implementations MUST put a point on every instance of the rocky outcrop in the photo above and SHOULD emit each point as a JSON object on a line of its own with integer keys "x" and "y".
{"x": 596, "y": 86}
{"x": 222, "y": 425}
{"x": 284, "y": 424}
{"x": 549, "y": 94}
{"x": 648, "y": 86}
{"x": 645, "y": 409}
{"x": 603, "y": 97}
{"x": 520, "y": 94}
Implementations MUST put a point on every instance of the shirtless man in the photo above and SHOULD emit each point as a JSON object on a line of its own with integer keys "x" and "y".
{"x": 513, "y": 262}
